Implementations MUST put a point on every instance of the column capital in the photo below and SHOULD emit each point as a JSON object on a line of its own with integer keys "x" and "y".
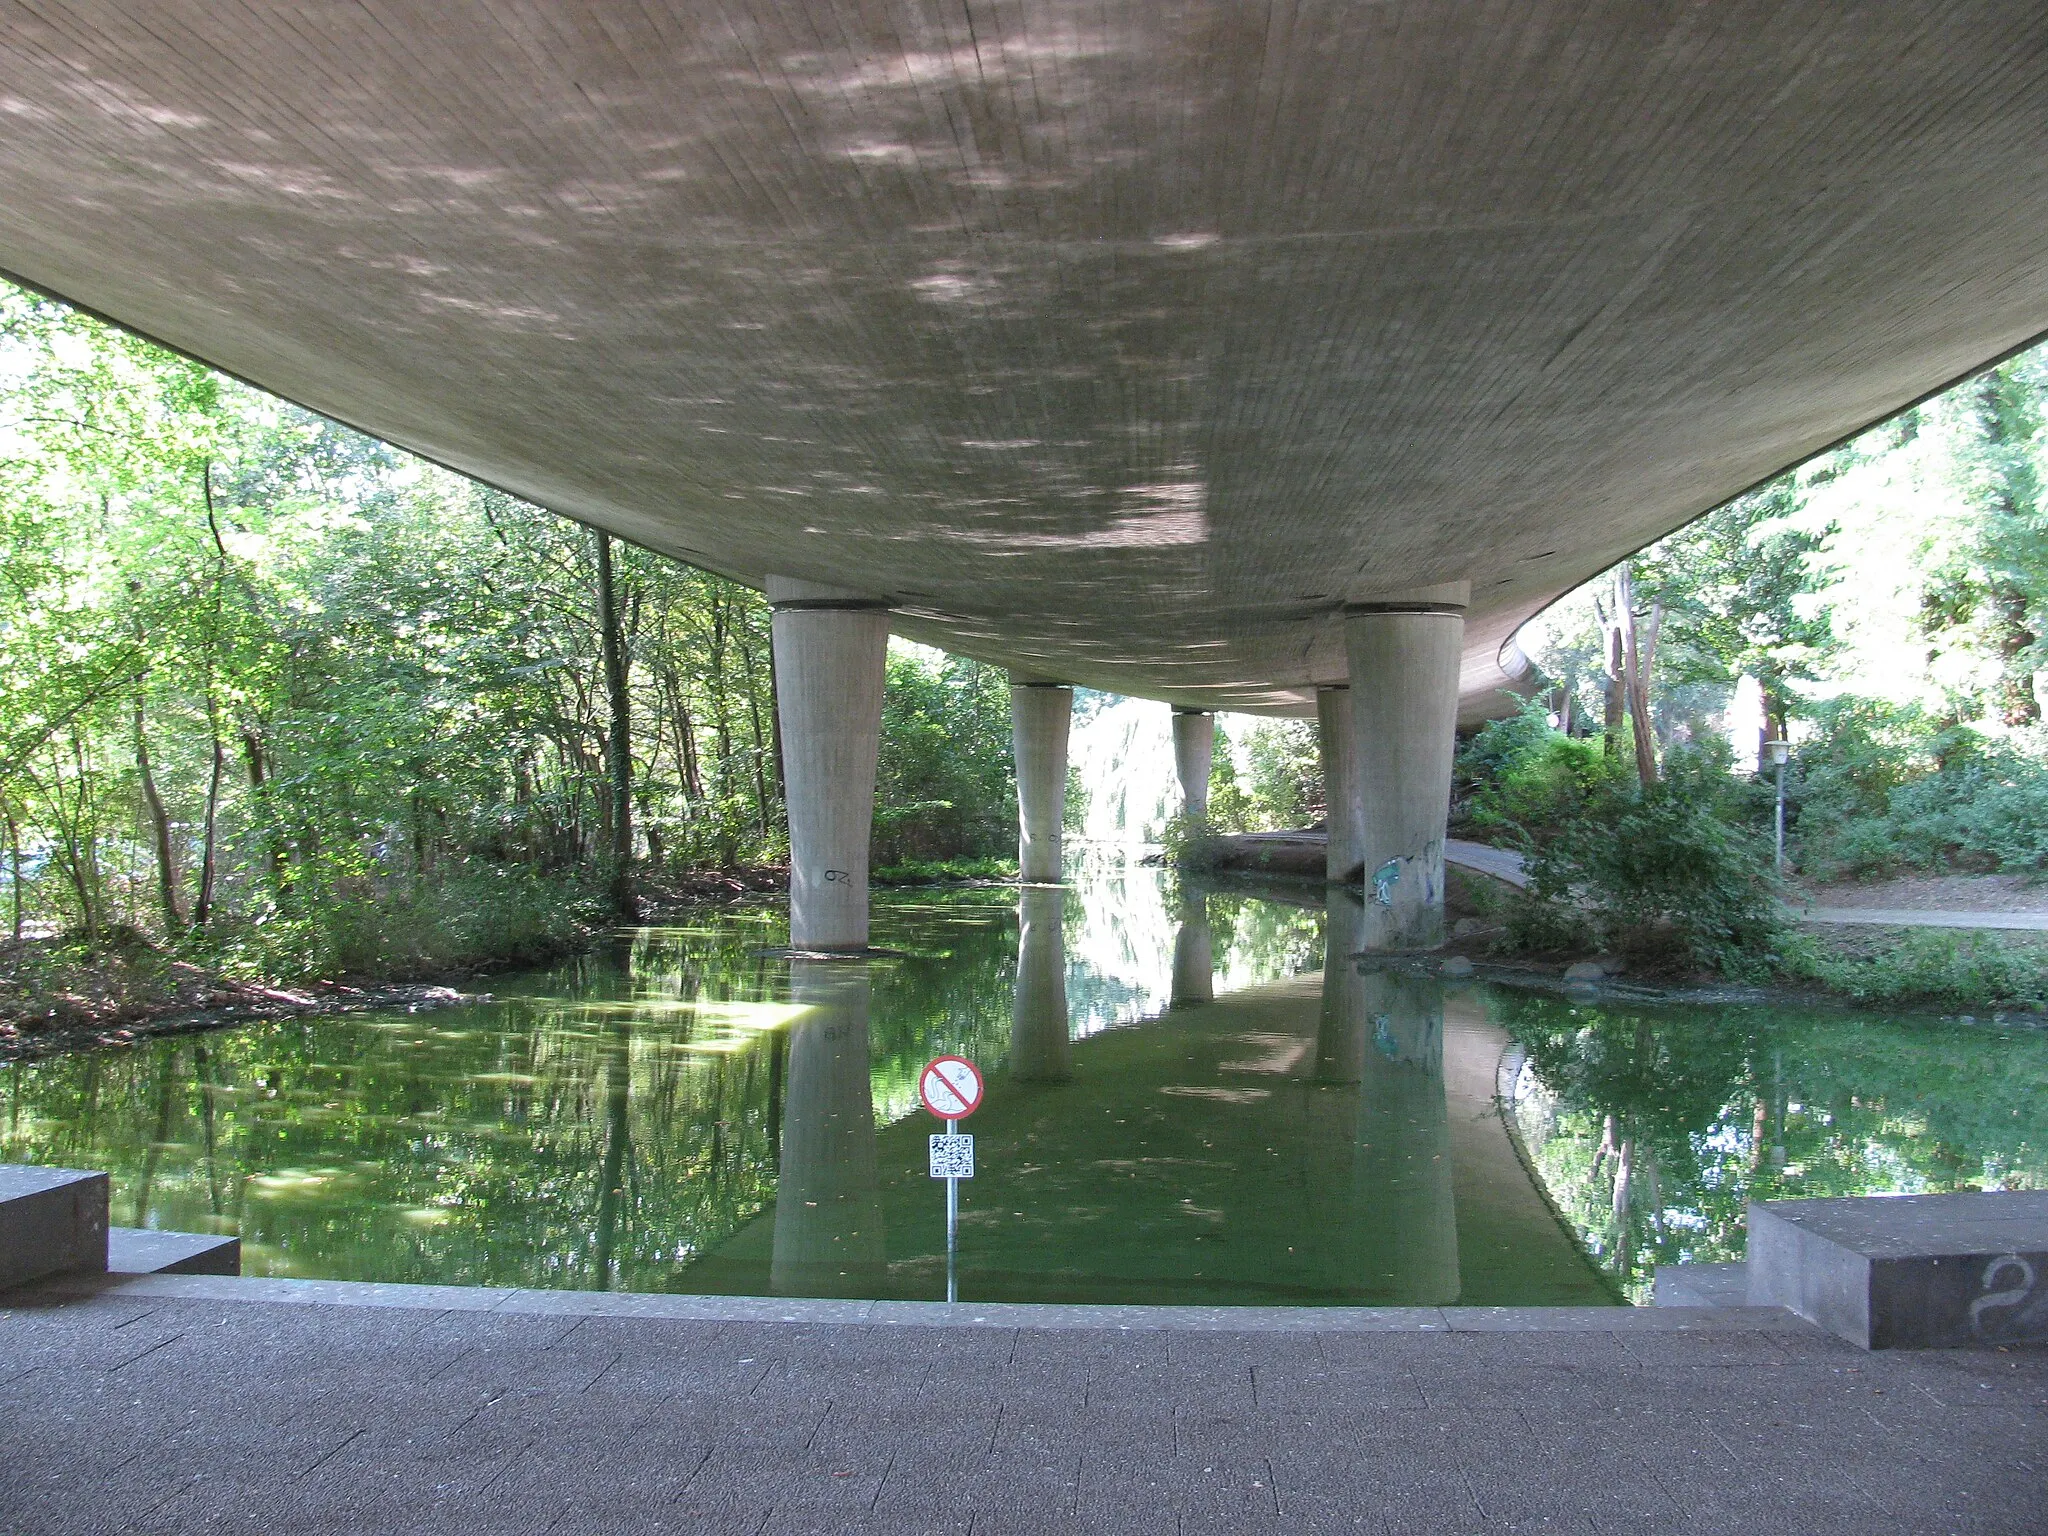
{"x": 1369, "y": 610}
{"x": 788, "y": 593}
{"x": 1447, "y": 597}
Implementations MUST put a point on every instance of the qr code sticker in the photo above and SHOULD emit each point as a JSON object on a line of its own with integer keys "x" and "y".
{"x": 952, "y": 1157}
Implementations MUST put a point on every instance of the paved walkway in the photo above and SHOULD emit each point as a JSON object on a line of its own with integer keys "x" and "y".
{"x": 1920, "y": 917}
{"x": 1503, "y": 864}
{"x": 188, "y": 1404}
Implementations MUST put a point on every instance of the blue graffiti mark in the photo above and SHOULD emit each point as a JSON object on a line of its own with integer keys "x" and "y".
{"x": 1383, "y": 881}
{"x": 1383, "y": 1036}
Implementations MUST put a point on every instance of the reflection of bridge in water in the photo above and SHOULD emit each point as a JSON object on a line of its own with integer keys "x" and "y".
{"x": 1328, "y": 1138}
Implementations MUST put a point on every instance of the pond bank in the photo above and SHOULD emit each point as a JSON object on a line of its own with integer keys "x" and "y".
{"x": 57, "y": 994}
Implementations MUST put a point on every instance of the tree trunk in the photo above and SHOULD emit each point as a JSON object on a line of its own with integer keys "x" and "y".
{"x": 1616, "y": 699}
{"x": 14, "y": 867}
{"x": 209, "y": 841}
{"x": 619, "y": 747}
{"x": 259, "y": 778}
{"x": 160, "y": 828}
{"x": 2017, "y": 704}
{"x": 775, "y": 725}
{"x": 1637, "y": 658}
{"x": 760, "y": 739}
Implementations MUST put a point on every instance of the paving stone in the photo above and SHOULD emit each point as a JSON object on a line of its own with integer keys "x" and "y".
{"x": 722, "y": 1426}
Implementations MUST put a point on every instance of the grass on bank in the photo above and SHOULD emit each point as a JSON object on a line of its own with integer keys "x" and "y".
{"x": 943, "y": 871}
{"x": 473, "y": 921}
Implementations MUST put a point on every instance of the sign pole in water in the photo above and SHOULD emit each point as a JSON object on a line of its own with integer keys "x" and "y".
{"x": 951, "y": 1088}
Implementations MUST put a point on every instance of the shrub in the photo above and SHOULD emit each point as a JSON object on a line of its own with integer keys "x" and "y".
{"x": 1883, "y": 788}
{"x": 485, "y": 917}
{"x": 937, "y": 871}
{"x": 1666, "y": 875}
{"x": 1521, "y": 782}
{"x": 1967, "y": 970}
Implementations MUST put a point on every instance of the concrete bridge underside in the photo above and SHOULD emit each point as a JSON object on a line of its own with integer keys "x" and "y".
{"x": 1120, "y": 344}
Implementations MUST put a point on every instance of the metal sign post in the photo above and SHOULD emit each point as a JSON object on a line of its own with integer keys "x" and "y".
{"x": 951, "y": 1088}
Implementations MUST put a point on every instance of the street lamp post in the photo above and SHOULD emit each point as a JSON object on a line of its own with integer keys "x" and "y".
{"x": 1781, "y": 753}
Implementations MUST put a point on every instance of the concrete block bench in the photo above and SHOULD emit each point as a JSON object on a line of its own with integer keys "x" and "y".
{"x": 51, "y": 1220}
{"x": 1909, "y": 1271}
{"x": 54, "y": 1221}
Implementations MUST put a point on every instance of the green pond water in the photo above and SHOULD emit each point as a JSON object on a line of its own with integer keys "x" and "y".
{"x": 1184, "y": 1105}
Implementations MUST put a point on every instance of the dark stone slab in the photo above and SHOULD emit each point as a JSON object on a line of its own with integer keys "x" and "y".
{"x": 138, "y": 1251}
{"x": 52, "y": 1220}
{"x": 1908, "y": 1272}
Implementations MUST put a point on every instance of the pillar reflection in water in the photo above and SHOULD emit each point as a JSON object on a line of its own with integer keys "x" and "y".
{"x": 1194, "y": 960}
{"x": 828, "y": 1209}
{"x": 1405, "y": 1140}
{"x": 1040, "y": 1048}
{"x": 1340, "y": 1029}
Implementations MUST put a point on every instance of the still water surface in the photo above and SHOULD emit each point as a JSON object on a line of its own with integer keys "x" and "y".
{"x": 1185, "y": 1105}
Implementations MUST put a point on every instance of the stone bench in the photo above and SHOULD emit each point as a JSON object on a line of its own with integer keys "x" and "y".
{"x": 51, "y": 1220}
{"x": 1908, "y": 1271}
{"x": 54, "y": 1221}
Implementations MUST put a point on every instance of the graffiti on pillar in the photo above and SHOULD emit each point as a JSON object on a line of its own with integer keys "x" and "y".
{"x": 838, "y": 877}
{"x": 1388, "y": 875}
{"x": 1383, "y": 1037}
{"x": 1384, "y": 880}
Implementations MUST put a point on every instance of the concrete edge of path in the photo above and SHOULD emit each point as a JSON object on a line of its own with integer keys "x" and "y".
{"x": 921, "y": 1314}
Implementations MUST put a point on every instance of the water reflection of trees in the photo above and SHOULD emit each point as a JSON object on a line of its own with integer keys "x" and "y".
{"x": 602, "y": 1125}
{"x": 1653, "y": 1128}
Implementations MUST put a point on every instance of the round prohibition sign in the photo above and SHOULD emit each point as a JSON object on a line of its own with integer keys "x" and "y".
{"x": 950, "y": 1087}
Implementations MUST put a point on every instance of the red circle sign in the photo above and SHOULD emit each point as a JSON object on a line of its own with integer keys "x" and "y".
{"x": 950, "y": 1087}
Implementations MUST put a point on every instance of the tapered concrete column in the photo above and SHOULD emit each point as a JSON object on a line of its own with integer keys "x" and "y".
{"x": 1039, "y": 716}
{"x": 1340, "y": 782}
{"x": 1041, "y": 1050}
{"x": 1194, "y": 954}
{"x": 1404, "y": 715}
{"x": 828, "y": 1202}
{"x": 1194, "y": 746}
{"x": 831, "y": 652}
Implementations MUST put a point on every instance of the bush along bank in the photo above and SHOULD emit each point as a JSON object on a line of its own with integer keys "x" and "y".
{"x": 345, "y": 950}
{"x": 1674, "y": 881}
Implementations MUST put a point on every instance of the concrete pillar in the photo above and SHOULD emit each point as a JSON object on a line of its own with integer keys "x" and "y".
{"x": 1341, "y": 1028}
{"x": 1404, "y": 1140}
{"x": 1194, "y": 745}
{"x": 1041, "y": 1051}
{"x": 831, "y": 651}
{"x": 828, "y": 1202}
{"x": 1340, "y": 782}
{"x": 1404, "y": 714}
{"x": 1039, "y": 716}
{"x": 1194, "y": 955}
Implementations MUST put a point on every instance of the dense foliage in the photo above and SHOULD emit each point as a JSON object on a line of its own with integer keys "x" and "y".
{"x": 1666, "y": 874}
{"x": 1882, "y": 605}
{"x": 287, "y": 696}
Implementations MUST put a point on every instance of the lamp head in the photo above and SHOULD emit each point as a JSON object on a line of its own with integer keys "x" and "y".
{"x": 1781, "y": 752}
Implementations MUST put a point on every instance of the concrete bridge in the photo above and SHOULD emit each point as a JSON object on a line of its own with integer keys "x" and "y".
{"x": 1228, "y": 356}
